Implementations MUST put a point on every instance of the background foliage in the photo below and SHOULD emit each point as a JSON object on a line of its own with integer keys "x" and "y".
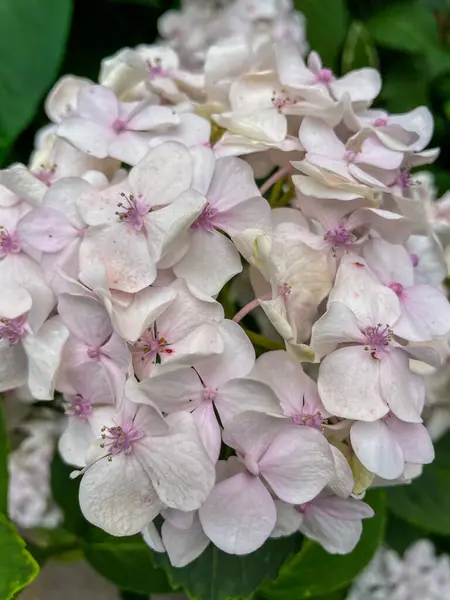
{"x": 409, "y": 42}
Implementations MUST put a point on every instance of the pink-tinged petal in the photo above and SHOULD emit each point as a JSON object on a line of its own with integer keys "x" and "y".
{"x": 180, "y": 469}
{"x": 173, "y": 389}
{"x": 152, "y": 538}
{"x": 184, "y": 545}
{"x": 129, "y": 146}
{"x": 310, "y": 187}
{"x": 15, "y": 301}
{"x": 337, "y": 326}
{"x": 425, "y": 354}
{"x": 249, "y": 214}
{"x": 202, "y": 343}
{"x": 414, "y": 440}
{"x": 232, "y": 183}
{"x": 330, "y": 165}
{"x": 203, "y": 165}
{"x": 294, "y": 389}
{"x": 75, "y": 441}
{"x": 377, "y": 449}
{"x": 291, "y": 68}
{"x": 179, "y": 518}
{"x": 298, "y": 464}
{"x": 348, "y": 384}
{"x": 343, "y": 482}
{"x": 88, "y": 136}
{"x": 336, "y": 535}
{"x": 153, "y": 117}
{"x": 153, "y": 176}
{"x": 22, "y": 270}
{"x": 263, "y": 125}
{"x": 63, "y": 196}
{"x": 193, "y": 130}
{"x": 237, "y": 359}
{"x": 355, "y": 284}
{"x": 239, "y": 514}
{"x": 240, "y": 395}
{"x": 318, "y": 138}
{"x": 289, "y": 519}
{"x": 392, "y": 227}
{"x": 375, "y": 154}
{"x": 117, "y": 351}
{"x": 426, "y": 311}
{"x": 362, "y": 85}
{"x": 398, "y": 387}
{"x": 118, "y": 496}
{"x": 90, "y": 380}
{"x": 86, "y": 318}
{"x": 125, "y": 254}
{"x": 391, "y": 263}
{"x": 420, "y": 121}
{"x": 47, "y": 230}
{"x": 208, "y": 429}
{"x": 13, "y": 367}
{"x": 210, "y": 261}
{"x": 99, "y": 104}
{"x": 24, "y": 184}
{"x": 44, "y": 357}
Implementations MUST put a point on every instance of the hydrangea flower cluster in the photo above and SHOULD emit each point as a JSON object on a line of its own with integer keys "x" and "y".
{"x": 134, "y": 213}
{"x": 420, "y": 575}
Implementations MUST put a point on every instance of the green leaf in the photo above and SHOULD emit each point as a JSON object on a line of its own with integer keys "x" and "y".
{"x": 404, "y": 86}
{"x": 17, "y": 567}
{"x": 400, "y": 534}
{"x": 314, "y": 572}
{"x": 65, "y": 494}
{"x": 326, "y": 25}
{"x": 425, "y": 502}
{"x": 3, "y": 465}
{"x": 127, "y": 562}
{"x": 216, "y": 575}
{"x": 32, "y": 40}
{"x": 359, "y": 50}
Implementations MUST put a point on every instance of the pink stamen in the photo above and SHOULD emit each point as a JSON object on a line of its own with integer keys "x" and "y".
{"x": 120, "y": 439}
{"x": 119, "y": 125}
{"x": 13, "y": 330}
{"x": 93, "y": 352}
{"x": 79, "y": 407}
{"x": 378, "y": 340}
{"x": 403, "y": 180}
{"x": 325, "y": 76}
{"x": 9, "y": 242}
{"x": 46, "y": 175}
{"x": 150, "y": 345}
{"x": 205, "y": 219}
{"x": 339, "y": 236}
{"x": 133, "y": 212}
{"x": 350, "y": 156}
{"x": 414, "y": 259}
{"x": 380, "y": 122}
{"x": 209, "y": 394}
{"x": 397, "y": 288}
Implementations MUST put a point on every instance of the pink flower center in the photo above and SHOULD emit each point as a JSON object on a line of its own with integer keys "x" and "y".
{"x": 133, "y": 211}
{"x": 209, "y": 394}
{"x": 397, "y": 288}
{"x": 205, "y": 220}
{"x": 314, "y": 420}
{"x": 150, "y": 345}
{"x": 414, "y": 259}
{"x": 281, "y": 100}
{"x": 285, "y": 290}
{"x": 380, "y": 122}
{"x": 350, "y": 156}
{"x": 93, "y": 352}
{"x": 339, "y": 236}
{"x": 156, "y": 69}
{"x": 378, "y": 339}
{"x": 403, "y": 180}
{"x": 46, "y": 175}
{"x": 302, "y": 508}
{"x": 79, "y": 407}
{"x": 119, "y": 125}
{"x": 324, "y": 76}
{"x": 120, "y": 439}
{"x": 9, "y": 242}
{"x": 13, "y": 330}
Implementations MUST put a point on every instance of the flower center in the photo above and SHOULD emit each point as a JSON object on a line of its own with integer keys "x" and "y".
{"x": 350, "y": 156}
{"x": 120, "y": 439}
{"x": 46, "y": 175}
{"x": 119, "y": 125}
{"x": 378, "y": 339}
{"x": 380, "y": 122}
{"x": 150, "y": 345}
{"x": 414, "y": 259}
{"x": 133, "y": 211}
{"x": 397, "y": 288}
{"x": 93, "y": 352}
{"x": 9, "y": 242}
{"x": 339, "y": 236}
{"x": 324, "y": 76}
{"x": 13, "y": 330}
{"x": 403, "y": 180}
{"x": 79, "y": 407}
{"x": 302, "y": 508}
{"x": 205, "y": 220}
{"x": 280, "y": 100}
{"x": 209, "y": 394}
{"x": 314, "y": 420}
{"x": 156, "y": 69}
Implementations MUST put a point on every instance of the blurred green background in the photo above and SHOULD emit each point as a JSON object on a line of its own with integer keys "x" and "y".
{"x": 409, "y": 41}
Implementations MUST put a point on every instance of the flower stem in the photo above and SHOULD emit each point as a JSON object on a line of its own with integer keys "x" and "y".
{"x": 245, "y": 310}
{"x": 282, "y": 171}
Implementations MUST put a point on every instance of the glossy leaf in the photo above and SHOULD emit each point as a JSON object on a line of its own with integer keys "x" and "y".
{"x": 314, "y": 572}
{"x": 17, "y": 567}
{"x": 32, "y": 41}
{"x": 127, "y": 562}
{"x": 3, "y": 465}
{"x": 216, "y": 575}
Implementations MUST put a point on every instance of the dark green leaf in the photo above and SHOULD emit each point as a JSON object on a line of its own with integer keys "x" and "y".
{"x": 400, "y": 534}
{"x": 17, "y": 567}
{"x": 426, "y": 501}
{"x": 359, "y": 50}
{"x": 127, "y": 562}
{"x": 3, "y": 465}
{"x": 32, "y": 39}
{"x": 314, "y": 572}
{"x": 404, "y": 86}
{"x": 327, "y": 22}
{"x": 65, "y": 494}
{"x": 219, "y": 576}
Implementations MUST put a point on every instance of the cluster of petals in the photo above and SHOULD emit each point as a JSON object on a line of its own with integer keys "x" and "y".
{"x": 121, "y": 238}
